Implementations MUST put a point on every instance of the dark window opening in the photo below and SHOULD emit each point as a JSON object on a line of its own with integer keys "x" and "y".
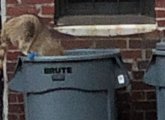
{"x": 70, "y": 12}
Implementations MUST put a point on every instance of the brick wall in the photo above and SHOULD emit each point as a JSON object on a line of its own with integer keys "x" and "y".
{"x": 137, "y": 102}
{"x": 160, "y": 12}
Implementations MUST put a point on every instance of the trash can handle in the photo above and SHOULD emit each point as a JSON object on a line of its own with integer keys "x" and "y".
{"x": 18, "y": 66}
{"x": 121, "y": 73}
{"x": 120, "y": 62}
{"x": 152, "y": 62}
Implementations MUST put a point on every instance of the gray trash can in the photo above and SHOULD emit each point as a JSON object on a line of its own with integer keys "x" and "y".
{"x": 77, "y": 86}
{"x": 155, "y": 76}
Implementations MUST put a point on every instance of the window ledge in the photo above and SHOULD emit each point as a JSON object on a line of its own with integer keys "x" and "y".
{"x": 106, "y": 30}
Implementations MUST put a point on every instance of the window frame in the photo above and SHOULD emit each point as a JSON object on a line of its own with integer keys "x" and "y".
{"x": 64, "y": 8}
{"x": 79, "y": 25}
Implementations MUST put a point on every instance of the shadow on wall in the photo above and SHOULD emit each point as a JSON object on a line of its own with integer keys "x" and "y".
{"x": 1, "y": 94}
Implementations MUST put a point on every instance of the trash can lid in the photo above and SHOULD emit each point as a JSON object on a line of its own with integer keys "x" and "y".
{"x": 154, "y": 74}
{"x": 76, "y": 55}
{"x": 160, "y": 49}
{"x": 95, "y": 71}
{"x": 160, "y": 46}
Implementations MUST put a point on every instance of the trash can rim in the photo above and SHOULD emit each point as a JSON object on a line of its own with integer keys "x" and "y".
{"x": 158, "y": 52}
{"x": 76, "y": 55}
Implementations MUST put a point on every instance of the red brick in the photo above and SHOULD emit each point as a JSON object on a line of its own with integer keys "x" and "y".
{"x": 111, "y": 43}
{"x": 18, "y": 10}
{"x": 20, "y": 98}
{"x": 11, "y": 1}
{"x": 16, "y": 108}
{"x": 138, "y": 74}
{"x": 136, "y": 115}
{"x": 131, "y": 54}
{"x": 145, "y": 105}
{"x": 160, "y": 13}
{"x": 161, "y": 23}
{"x": 74, "y": 44}
{"x": 13, "y": 98}
{"x": 37, "y": 1}
{"x": 140, "y": 86}
{"x": 47, "y": 21}
{"x": 138, "y": 96}
{"x": 11, "y": 67}
{"x": 151, "y": 95}
{"x": 13, "y": 117}
{"x": 16, "y": 98}
{"x": 22, "y": 117}
{"x": 142, "y": 44}
{"x": 48, "y": 10}
{"x": 10, "y": 75}
{"x": 13, "y": 55}
{"x": 160, "y": 3}
{"x": 135, "y": 43}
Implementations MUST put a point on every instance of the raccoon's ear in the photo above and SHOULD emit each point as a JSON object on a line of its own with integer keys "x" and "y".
{"x": 30, "y": 31}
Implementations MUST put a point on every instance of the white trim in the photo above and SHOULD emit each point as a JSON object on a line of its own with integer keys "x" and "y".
{"x": 161, "y": 28}
{"x": 5, "y": 78}
{"x": 106, "y": 30}
{"x": 5, "y": 90}
{"x": 160, "y": 19}
{"x": 3, "y": 11}
{"x": 159, "y": 9}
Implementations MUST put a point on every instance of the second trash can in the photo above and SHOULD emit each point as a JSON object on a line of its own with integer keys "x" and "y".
{"x": 155, "y": 76}
{"x": 77, "y": 86}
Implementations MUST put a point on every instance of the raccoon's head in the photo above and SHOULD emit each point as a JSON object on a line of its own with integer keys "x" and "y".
{"x": 21, "y": 31}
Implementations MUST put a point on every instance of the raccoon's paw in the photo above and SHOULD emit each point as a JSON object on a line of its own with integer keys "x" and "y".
{"x": 32, "y": 55}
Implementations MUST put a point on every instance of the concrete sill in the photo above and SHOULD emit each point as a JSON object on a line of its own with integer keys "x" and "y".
{"x": 106, "y": 30}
